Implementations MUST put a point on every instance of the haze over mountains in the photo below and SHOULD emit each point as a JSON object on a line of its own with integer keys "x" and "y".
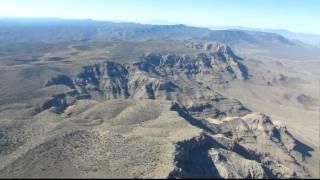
{"x": 308, "y": 39}
{"x": 94, "y": 99}
{"x": 21, "y": 30}
{"x": 298, "y": 37}
{"x": 59, "y": 30}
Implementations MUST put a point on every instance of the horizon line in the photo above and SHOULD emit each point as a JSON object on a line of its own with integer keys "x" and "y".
{"x": 148, "y": 22}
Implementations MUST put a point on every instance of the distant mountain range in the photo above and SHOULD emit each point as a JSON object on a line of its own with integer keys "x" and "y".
{"x": 308, "y": 39}
{"x": 60, "y": 30}
{"x": 297, "y": 37}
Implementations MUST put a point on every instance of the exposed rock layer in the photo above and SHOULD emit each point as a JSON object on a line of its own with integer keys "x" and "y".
{"x": 189, "y": 81}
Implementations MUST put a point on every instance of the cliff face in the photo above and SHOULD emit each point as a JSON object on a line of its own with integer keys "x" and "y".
{"x": 189, "y": 81}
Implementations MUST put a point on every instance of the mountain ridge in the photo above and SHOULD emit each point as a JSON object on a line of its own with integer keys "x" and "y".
{"x": 58, "y": 30}
{"x": 159, "y": 76}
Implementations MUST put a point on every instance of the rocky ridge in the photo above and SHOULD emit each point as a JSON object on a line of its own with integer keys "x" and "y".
{"x": 188, "y": 81}
{"x": 162, "y": 112}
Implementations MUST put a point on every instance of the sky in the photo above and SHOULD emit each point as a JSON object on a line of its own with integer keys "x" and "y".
{"x": 293, "y": 15}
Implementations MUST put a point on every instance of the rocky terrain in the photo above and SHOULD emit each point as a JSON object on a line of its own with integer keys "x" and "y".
{"x": 113, "y": 139}
{"x": 164, "y": 116}
{"x": 186, "y": 80}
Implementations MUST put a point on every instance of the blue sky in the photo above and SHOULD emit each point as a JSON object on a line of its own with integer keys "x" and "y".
{"x": 294, "y": 15}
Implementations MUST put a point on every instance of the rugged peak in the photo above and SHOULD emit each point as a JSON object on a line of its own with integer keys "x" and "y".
{"x": 212, "y": 47}
{"x": 215, "y": 53}
{"x": 217, "y": 47}
{"x": 218, "y": 60}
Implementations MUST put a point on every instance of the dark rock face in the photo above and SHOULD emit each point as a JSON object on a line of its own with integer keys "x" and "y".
{"x": 193, "y": 159}
{"x": 110, "y": 79}
{"x": 60, "y": 80}
{"x": 307, "y": 101}
{"x": 60, "y": 102}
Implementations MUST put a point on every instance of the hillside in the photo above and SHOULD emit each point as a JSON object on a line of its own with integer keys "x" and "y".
{"x": 164, "y": 110}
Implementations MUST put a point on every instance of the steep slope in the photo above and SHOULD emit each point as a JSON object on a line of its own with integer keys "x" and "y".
{"x": 247, "y": 147}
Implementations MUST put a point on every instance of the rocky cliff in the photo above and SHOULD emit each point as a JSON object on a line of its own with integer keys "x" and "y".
{"x": 187, "y": 80}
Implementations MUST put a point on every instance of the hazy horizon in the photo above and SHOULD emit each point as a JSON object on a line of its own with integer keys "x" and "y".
{"x": 293, "y": 15}
{"x": 164, "y": 22}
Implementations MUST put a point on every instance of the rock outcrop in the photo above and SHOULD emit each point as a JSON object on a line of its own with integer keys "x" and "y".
{"x": 247, "y": 147}
{"x": 187, "y": 80}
